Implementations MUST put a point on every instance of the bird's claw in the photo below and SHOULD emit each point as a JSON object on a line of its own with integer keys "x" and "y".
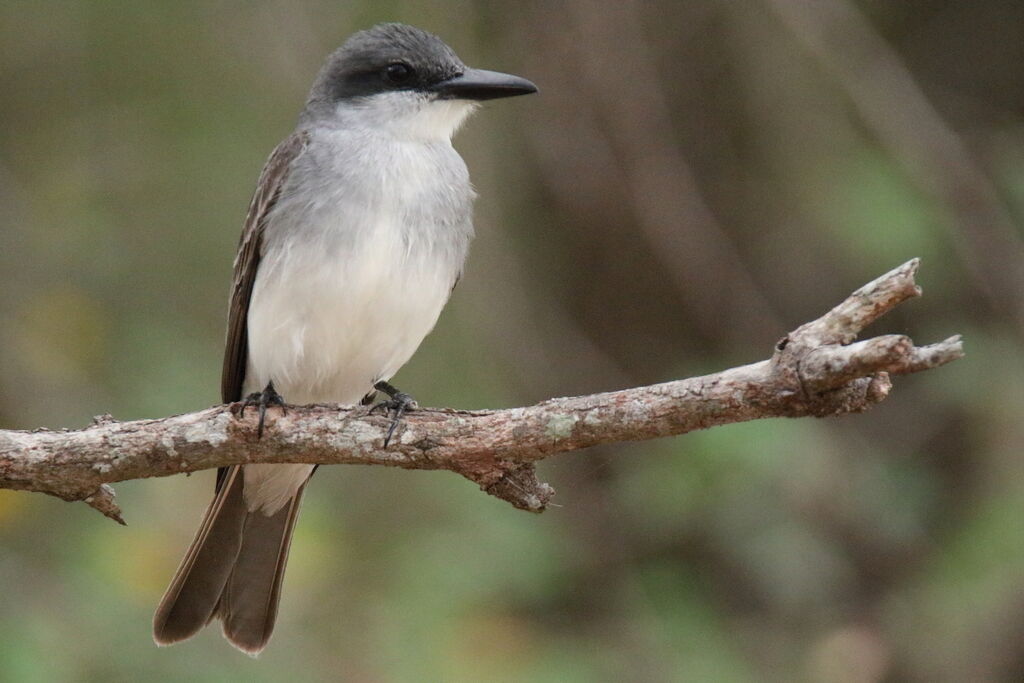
{"x": 398, "y": 403}
{"x": 263, "y": 399}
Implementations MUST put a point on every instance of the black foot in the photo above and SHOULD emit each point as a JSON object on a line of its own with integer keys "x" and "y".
{"x": 263, "y": 399}
{"x": 399, "y": 403}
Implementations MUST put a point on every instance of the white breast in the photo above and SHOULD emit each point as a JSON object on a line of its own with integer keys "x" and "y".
{"x": 326, "y": 328}
{"x": 359, "y": 259}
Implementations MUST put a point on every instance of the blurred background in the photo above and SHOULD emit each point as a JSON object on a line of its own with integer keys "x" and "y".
{"x": 695, "y": 179}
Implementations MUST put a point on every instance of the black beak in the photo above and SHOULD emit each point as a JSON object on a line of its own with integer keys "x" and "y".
{"x": 478, "y": 84}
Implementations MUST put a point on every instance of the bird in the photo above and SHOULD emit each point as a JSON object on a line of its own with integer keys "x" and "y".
{"x": 355, "y": 237}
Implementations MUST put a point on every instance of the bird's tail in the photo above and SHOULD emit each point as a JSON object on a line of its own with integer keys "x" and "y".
{"x": 232, "y": 571}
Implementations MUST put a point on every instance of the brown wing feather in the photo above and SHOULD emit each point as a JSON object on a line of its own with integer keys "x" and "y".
{"x": 247, "y": 260}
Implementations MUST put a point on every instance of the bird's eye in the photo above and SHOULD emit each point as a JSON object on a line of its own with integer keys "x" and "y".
{"x": 397, "y": 73}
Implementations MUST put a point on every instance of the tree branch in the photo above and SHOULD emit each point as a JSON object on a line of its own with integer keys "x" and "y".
{"x": 815, "y": 370}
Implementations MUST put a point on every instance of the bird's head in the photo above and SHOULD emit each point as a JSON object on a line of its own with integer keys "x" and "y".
{"x": 407, "y": 80}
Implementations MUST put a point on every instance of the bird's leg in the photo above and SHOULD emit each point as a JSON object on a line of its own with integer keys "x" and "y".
{"x": 398, "y": 402}
{"x": 263, "y": 399}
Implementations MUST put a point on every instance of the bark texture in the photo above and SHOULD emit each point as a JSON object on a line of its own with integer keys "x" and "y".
{"x": 816, "y": 370}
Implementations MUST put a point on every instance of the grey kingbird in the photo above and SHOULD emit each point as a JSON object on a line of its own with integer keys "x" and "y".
{"x": 354, "y": 239}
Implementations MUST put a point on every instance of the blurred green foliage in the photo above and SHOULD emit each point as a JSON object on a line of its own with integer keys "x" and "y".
{"x": 693, "y": 180}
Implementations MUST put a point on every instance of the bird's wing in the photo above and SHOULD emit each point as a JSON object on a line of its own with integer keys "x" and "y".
{"x": 247, "y": 261}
